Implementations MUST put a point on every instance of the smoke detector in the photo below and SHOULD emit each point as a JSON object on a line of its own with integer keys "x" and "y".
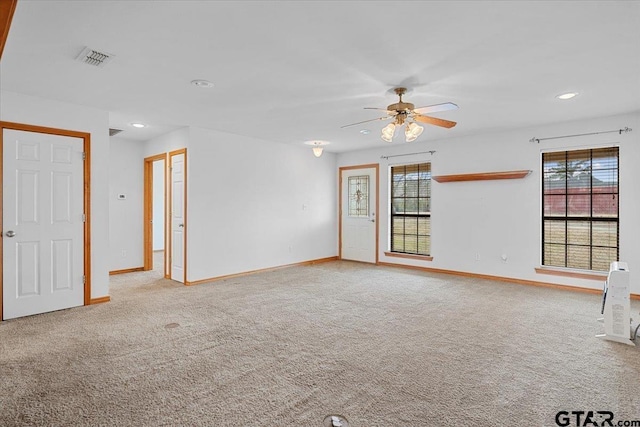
{"x": 94, "y": 57}
{"x": 202, "y": 83}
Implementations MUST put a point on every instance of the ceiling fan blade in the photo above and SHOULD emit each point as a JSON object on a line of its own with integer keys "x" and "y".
{"x": 366, "y": 121}
{"x": 434, "y": 121}
{"x": 447, "y": 106}
{"x": 381, "y": 109}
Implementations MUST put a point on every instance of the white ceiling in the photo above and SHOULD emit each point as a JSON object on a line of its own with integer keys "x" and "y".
{"x": 296, "y": 71}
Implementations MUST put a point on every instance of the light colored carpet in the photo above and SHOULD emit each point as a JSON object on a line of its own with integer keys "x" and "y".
{"x": 381, "y": 346}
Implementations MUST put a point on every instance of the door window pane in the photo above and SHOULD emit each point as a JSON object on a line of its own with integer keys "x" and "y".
{"x": 359, "y": 196}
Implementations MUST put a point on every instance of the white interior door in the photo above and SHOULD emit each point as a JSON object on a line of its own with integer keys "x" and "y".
{"x": 177, "y": 216}
{"x": 359, "y": 222}
{"x": 43, "y": 230}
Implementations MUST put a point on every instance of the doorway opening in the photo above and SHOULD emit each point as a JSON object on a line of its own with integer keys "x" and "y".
{"x": 165, "y": 214}
{"x": 155, "y": 213}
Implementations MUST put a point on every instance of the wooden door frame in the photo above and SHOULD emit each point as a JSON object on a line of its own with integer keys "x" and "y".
{"x": 170, "y": 219}
{"x": 148, "y": 210}
{"x": 375, "y": 166}
{"x": 86, "y": 166}
{"x": 7, "y": 9}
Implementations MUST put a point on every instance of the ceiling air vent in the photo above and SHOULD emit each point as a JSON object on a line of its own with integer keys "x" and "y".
{"x": 114, "y": 132}
{"x": 94, "y": 57}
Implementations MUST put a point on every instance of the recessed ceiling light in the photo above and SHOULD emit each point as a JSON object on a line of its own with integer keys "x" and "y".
{"x": 138, "y": 125}
{"x": 202, "y": 83}
{"x": 365, "y": 131}
{"x": 567, "y": 95}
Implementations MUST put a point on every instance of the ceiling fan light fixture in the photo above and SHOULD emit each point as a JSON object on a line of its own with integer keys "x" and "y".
{"x": 317, "y": 151}
{"x": 413, "y": 131}
{"x": 388, "y": 131}
{"x": 405, "y": 113}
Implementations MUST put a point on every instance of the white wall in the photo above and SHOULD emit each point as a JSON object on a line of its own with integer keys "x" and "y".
{"x": 255, "y": 204}
{"x": 158, "y": 205}
{"x": 168, "y": 142}
{"x": 492, "y": 218}
{"x": 27, "y": 109}
{"x": 126, "y": 176}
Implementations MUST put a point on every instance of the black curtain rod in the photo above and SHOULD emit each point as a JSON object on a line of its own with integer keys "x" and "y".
{"x": 619, "y": 131}
{"x": 408, "y": 154}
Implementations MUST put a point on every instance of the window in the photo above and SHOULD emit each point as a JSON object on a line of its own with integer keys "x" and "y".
{"x": 411, "y": 209}
{"x": 580, "y": 208}
{"x": 359, "y": 196}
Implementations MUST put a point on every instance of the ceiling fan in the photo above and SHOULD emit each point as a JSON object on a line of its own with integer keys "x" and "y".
{"x": 405, "y": 113}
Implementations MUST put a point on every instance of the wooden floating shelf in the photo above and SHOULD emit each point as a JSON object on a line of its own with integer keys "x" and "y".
{"x": 485, "y": 176}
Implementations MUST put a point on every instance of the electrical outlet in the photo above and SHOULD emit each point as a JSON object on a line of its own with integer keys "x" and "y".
{"x": 124, "y": 254}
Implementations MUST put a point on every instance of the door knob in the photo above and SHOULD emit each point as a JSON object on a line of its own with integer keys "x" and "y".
{"x": 180, "y": 225}
{"x": 10, "y": 233}
{"x": 372, "y": 220}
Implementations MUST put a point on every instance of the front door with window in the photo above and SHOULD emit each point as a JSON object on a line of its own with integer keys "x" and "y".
{"x": 358, "y": 214}
{"x": 43, "y": 228}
